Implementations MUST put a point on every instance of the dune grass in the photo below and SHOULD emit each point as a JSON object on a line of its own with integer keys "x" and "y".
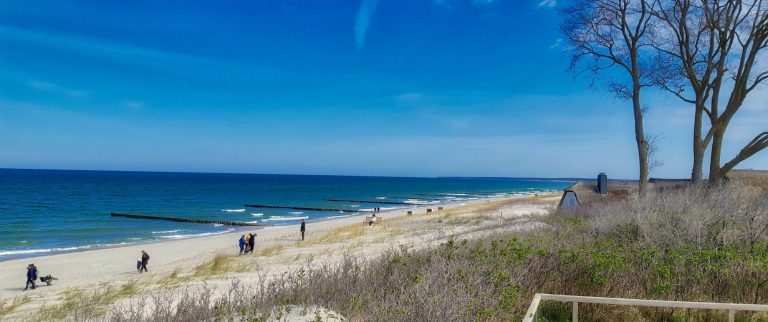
{"x": 492, "y": 206}
{"x": 218, "y": 265}
{"x": 270, "y": 250}
{"x": 7, "y": 306}
{"x": 336, "y": 235}
{"x": 82, "y": 305}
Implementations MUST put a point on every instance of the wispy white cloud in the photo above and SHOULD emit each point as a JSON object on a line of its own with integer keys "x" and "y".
{"x": 547, "y": 4}
{"x": 557, "y": 44}
{"x": 363, "y": 21}
{"x": 134, "y": 105}
{"x": 57, "y": 89}
{"x": 121, "y": 52}
{"x": 411, "y": 97}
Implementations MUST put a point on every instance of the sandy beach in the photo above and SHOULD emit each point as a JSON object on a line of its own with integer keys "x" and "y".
{"x": 278, "y": 249}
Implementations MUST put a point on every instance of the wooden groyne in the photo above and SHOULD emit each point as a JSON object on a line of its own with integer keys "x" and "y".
{"x": 192, "y": 220}
{"x": 370, "y": 201}
{"x": 305, "y": 208}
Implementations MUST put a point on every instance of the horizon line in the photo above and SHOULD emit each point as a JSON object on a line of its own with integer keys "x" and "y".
{"x": 305, "y": 174}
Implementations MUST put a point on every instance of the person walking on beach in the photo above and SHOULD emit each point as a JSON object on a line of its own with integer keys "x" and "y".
{"x": 303, "y": 228}
{"x": 31, "y": 276}
{"x": 252, "y": 242}
{"x": 144, "y": 261}
{"x": 242, "y": 244}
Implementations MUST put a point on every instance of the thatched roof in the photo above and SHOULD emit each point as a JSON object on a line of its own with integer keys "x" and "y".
{"x": 757, "y": 178}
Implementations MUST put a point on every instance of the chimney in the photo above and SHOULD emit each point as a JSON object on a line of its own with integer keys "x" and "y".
{"x": 602, "y": 183}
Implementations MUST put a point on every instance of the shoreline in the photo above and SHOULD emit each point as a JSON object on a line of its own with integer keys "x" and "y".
{"x": 93, "y": 266}
{"x": 85, "y": 248}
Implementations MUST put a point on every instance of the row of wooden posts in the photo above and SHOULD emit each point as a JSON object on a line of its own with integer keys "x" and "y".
{"x": 225, "y": 222}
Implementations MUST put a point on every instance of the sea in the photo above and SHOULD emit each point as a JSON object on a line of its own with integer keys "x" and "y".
{"x": 44, "y": 212}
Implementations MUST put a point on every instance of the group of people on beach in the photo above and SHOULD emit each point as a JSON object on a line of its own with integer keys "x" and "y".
{"x": 247, "y": 243}
{"x": 141, "y": 266}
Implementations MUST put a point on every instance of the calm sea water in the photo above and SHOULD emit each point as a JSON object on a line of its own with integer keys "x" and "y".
{"x": 46, "y": 211}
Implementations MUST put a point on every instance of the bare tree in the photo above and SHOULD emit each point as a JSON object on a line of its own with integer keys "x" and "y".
{"x": 613, "y": 34}
{"x": 653, "y": 151}
{"x": 716, "y": 45}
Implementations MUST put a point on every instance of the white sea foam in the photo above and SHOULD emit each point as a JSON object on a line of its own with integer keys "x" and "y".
{"x": 37, "y": 251}
{"x": 381, "y": 198}
{"x": 167, "y": 231}
{"x": 257, "y": 214}
{"x": 52, "y": 250}
{"x": 295, "y": 212}
{"x": 284, "y": 218}
{"x": 340, "y": 216}
{"x": 355, "y": 206}
{"x": 198, "y": 235}
{"x": 253, "y": 222}
{"x": 233, "y": 210}
{"x": 414, "y": 201}
{"x": 218, "y": 225}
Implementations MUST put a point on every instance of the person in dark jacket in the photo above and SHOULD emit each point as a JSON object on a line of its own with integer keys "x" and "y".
{"x": 31, "y": 276}
{"x": 144, "y": 261}
{"x": 242, "y": 244}
{"x": 252, "y": 242}
{"x": 303, "y": 228}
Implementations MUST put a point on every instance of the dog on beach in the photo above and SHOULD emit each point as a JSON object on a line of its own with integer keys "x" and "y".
{"x": 48, "y": 279}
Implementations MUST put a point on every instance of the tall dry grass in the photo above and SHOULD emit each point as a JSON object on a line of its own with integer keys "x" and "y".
{"x": 703, "y": 216}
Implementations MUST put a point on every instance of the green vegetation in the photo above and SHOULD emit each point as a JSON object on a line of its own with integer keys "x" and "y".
{"x": 692, "y": 244}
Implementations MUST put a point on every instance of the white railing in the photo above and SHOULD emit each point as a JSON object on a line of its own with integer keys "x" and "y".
{"x": 732, "y": 308}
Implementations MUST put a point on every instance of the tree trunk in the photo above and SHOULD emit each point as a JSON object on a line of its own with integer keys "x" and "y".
{"x": 717, "y": 148}
{"x": 642, "y": 143}
{"x": 698, "y": 147}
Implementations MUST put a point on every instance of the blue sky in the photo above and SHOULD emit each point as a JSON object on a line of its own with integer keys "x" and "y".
{"x": 387, "y": 87}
